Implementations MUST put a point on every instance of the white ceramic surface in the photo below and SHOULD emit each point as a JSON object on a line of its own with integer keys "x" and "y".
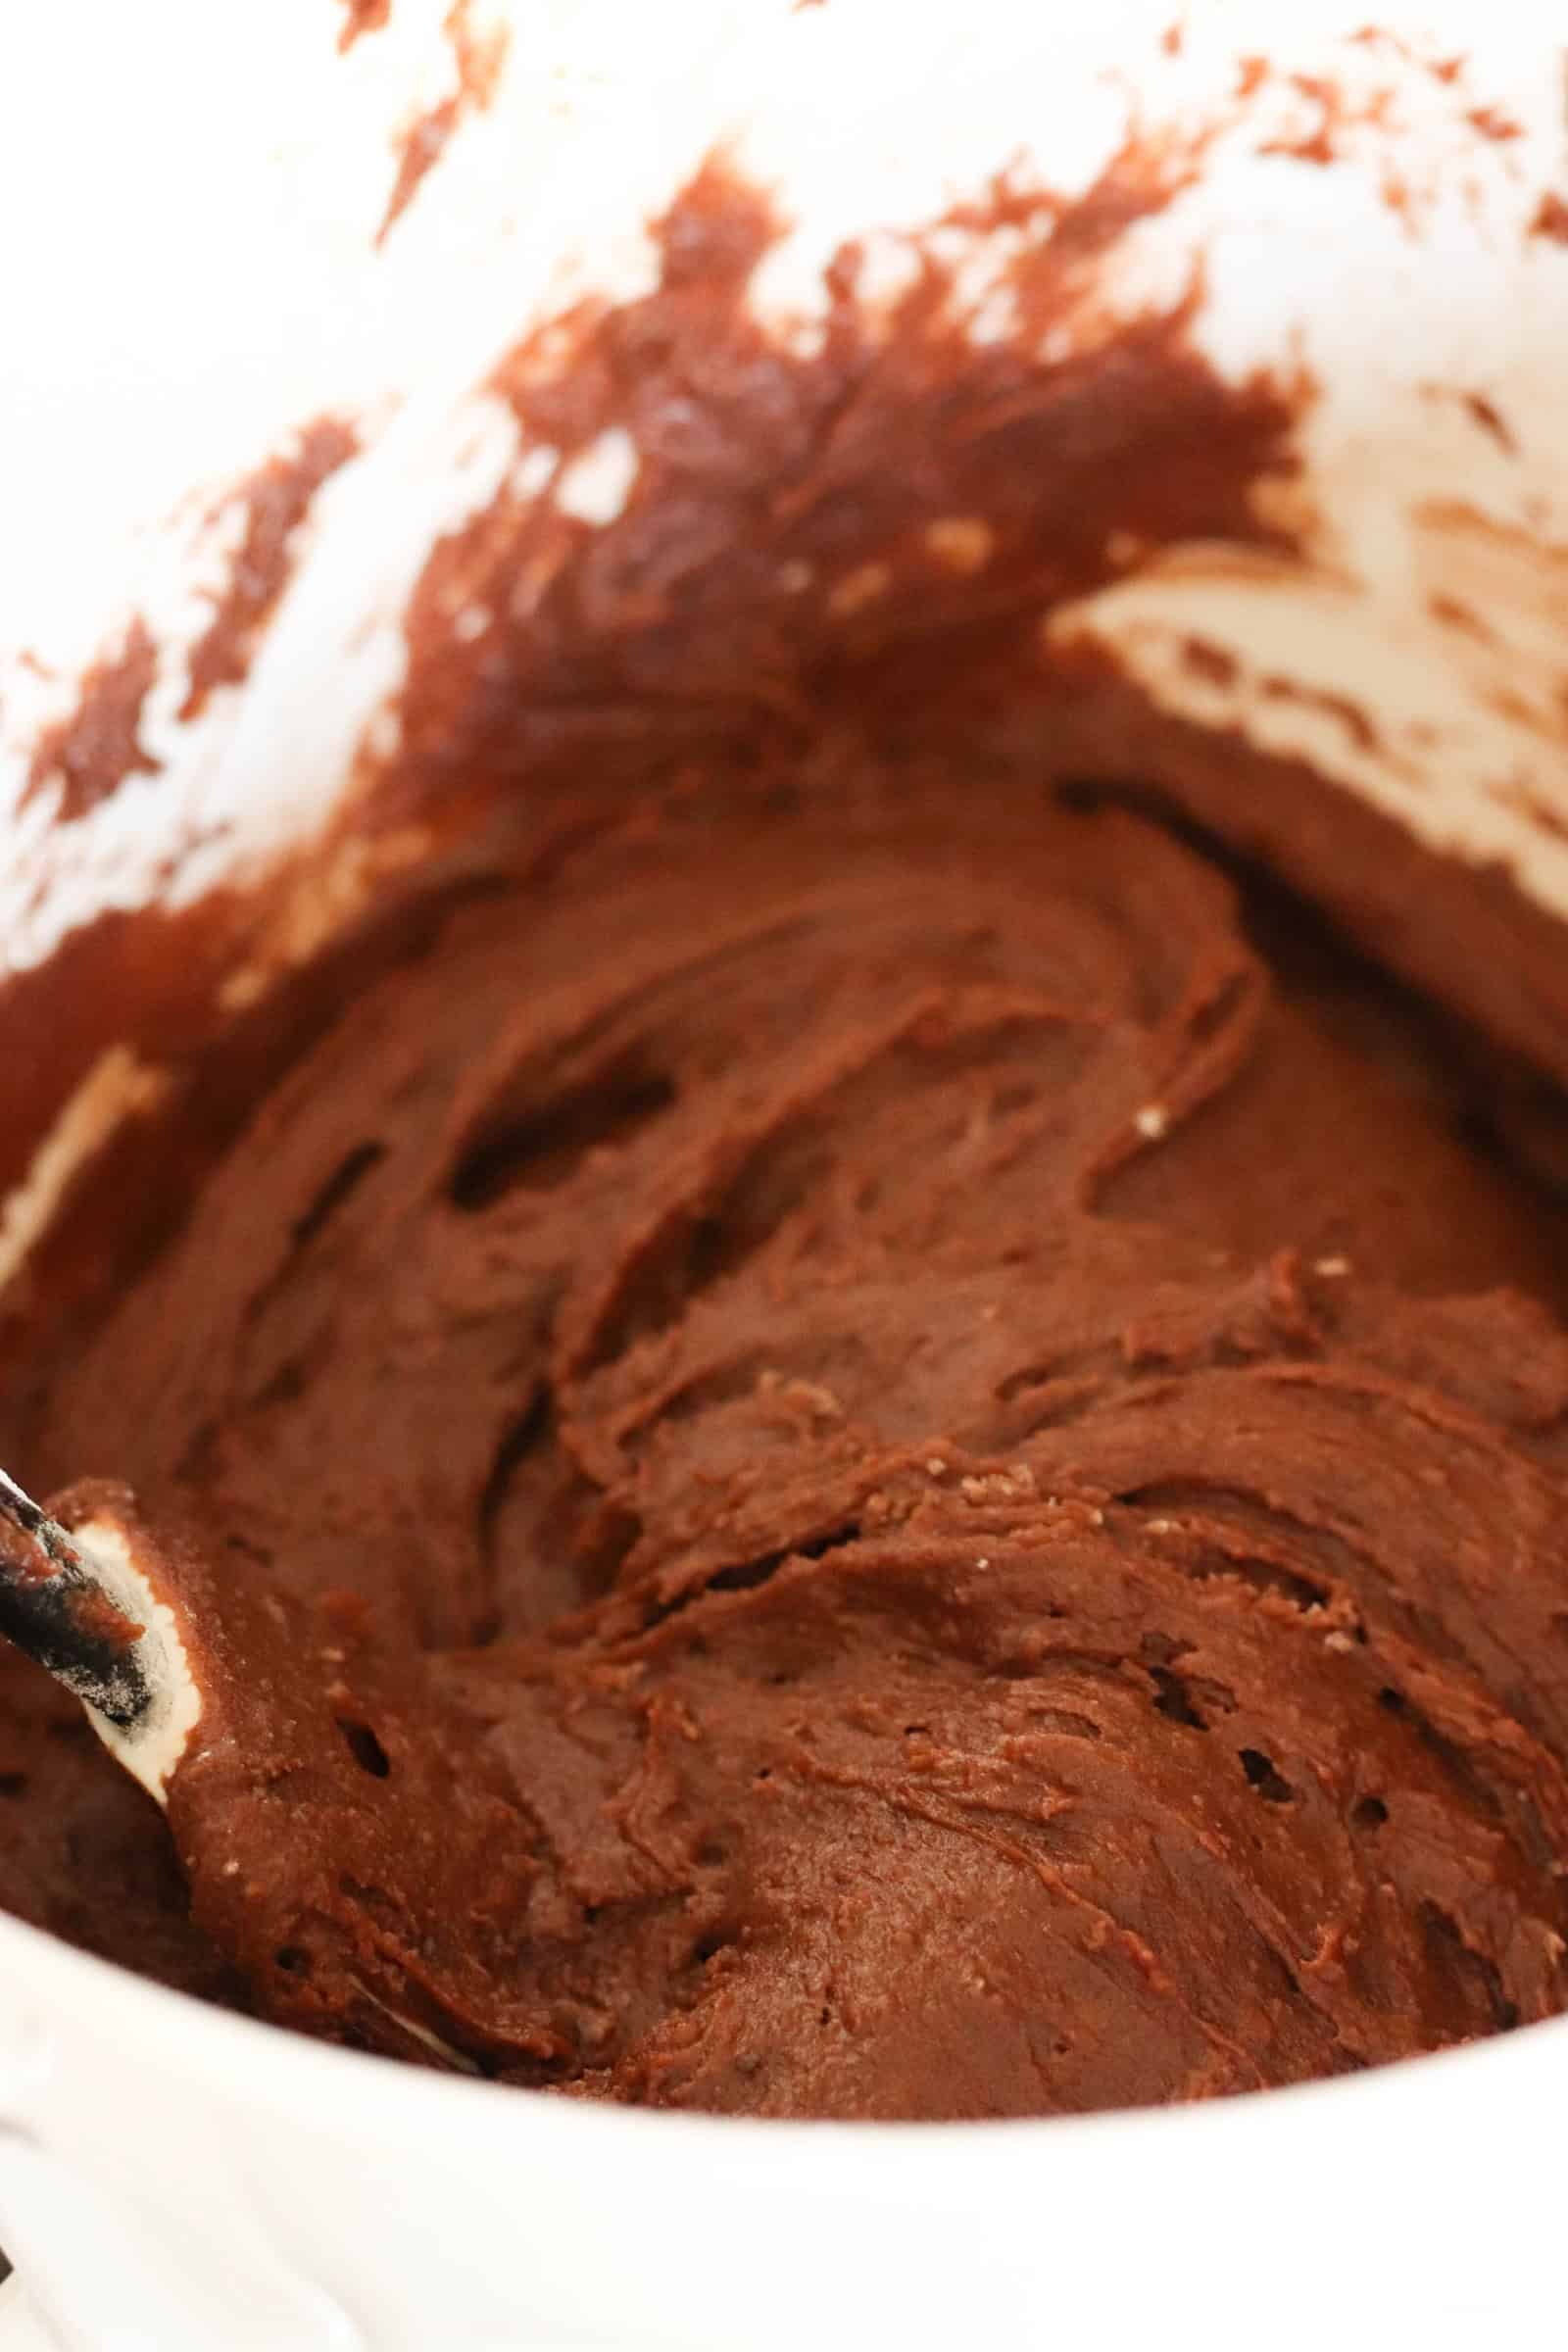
{"x": 195, "y": 273}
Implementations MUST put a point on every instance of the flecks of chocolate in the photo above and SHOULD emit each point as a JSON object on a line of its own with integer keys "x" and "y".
{"x": 88, "y": 756}
{"x": 1394, "y": 190}
{"x": 1310, "y": 147}
{"x": 1493, "y": 123}
{"x": 1492, "y": 420}
{"x": 478, "y": 58}
{"x": 768, "y": 579}
{"x": 420, "y": 146}
{"x": 1341, "y": 111}
{"x": 275, "y": 499}
{"x": 1316, "y": 146}
{"x": 1445, "y": 70}
{"x": 1550, "y": 218}
{"x": 361, "y": 16}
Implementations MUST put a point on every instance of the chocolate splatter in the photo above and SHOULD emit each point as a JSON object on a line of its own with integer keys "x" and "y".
{"x": 1492, "y": 420}
{"x": 478, "y": 58}
{"x": 420, "y": 146}
{"x": 276, "y": 499}
{"x": 1337, "y": 114}
{"x": 1552, "y": 218}
{"x": 361, "y": 16}
{"x": 769, "y": 574}
{"x": 1315, "y": 146}
{"x": 90, "y": 753}
{"x": 1445, "y": 70}
{"x": 1494, "y": 123}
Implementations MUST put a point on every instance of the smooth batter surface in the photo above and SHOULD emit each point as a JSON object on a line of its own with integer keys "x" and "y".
{"x": 956, "y": 1495}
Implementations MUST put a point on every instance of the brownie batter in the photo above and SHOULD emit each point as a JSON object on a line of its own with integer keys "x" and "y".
{"x": 939, "y": 1496}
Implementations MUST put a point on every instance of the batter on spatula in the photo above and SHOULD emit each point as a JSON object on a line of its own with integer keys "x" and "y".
{"x": 842, "y": 1465}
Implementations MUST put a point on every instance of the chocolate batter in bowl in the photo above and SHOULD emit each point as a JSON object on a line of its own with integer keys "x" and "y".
{"x": 857, "y": 1199}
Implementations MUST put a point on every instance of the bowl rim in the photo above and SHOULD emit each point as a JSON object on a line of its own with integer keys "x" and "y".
{"x": 283, "y": 2073}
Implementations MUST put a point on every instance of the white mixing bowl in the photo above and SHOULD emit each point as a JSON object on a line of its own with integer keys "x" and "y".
{"x": 1374, "y": 215}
